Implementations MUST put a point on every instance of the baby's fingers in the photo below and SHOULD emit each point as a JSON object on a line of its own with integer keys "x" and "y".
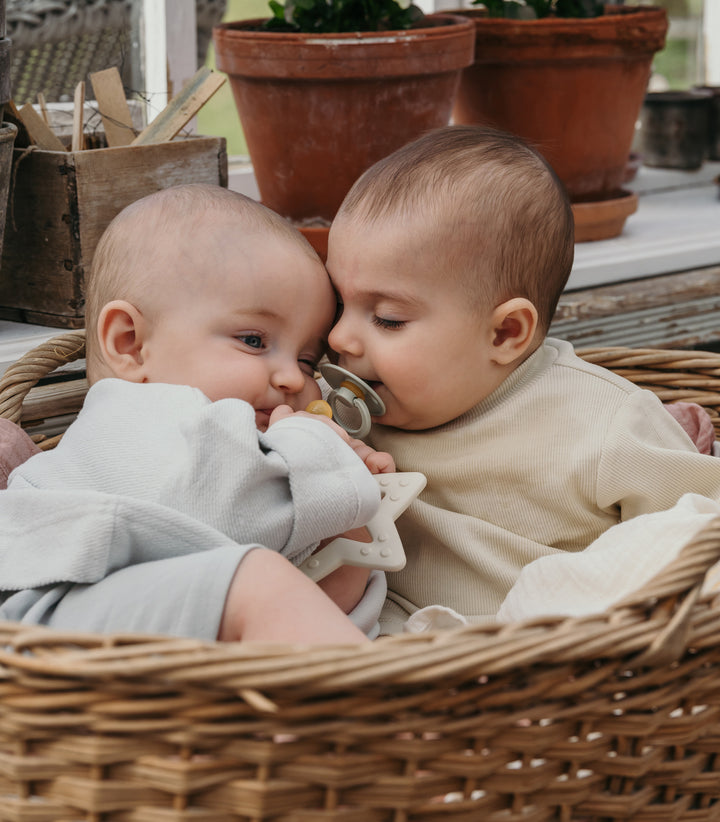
{"x": 380, "y": 462}
{"x": 377, "y": 462}
{"x": 280, "y": 413}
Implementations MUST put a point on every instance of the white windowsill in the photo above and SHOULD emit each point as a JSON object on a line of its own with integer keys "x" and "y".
{"x": 676, "y": 228}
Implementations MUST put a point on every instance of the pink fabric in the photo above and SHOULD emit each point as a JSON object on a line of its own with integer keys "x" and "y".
{"x": 15, "y": 448}
{"x": 697, "y": 422}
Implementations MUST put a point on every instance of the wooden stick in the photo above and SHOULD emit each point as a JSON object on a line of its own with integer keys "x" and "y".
{"x": 78, "y": 138}
{"x": 39, "y": 132}
{"x": 12, "y": 115}
{"x": 196, "y": 92}
{"x": 43, "y": 108}
{"x": 113, "y": 106}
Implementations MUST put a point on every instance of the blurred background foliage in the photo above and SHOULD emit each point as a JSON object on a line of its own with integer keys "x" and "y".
{"x": 219, "y": 115}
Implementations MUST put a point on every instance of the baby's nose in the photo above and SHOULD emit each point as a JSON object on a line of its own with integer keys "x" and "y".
{"x": 341, "y": 340}
{"x": 289, "y": 379}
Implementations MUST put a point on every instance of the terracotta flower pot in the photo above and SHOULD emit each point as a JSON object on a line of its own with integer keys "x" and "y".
{"x": 571, "y": 87}
{"x": 318, "y": 109}
{"x": 317, "y": 236}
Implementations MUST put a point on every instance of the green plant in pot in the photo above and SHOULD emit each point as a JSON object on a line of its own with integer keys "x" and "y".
{"x": 325, "y": 88}
{"x": 535, "y": 9}
{"x": 330, "y": 16}
{"x": 570, "y": 77}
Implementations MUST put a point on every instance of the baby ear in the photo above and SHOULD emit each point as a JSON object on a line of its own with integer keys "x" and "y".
{"x": 514, "y": 324}
{"x": 120, "y": 332}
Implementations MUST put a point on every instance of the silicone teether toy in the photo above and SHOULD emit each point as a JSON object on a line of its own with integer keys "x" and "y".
{"x": 385, "y": 552}
{"x": 352, "y": 400}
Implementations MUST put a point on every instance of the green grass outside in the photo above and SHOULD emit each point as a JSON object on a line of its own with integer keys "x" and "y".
{"x": 219, "y": 115}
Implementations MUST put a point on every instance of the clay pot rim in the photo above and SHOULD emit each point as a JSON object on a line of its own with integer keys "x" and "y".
{"x": 439, "y": 23}
{"x": 443, "y": 48}
{"x": 644, "y": 28}
{"x": 614, "y": 14}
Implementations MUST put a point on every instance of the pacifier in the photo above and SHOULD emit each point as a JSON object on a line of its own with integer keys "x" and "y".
{"x": 351, "y": 402}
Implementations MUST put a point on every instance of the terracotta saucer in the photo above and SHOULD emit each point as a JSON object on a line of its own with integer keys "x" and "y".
{"x": 603, "y": 219}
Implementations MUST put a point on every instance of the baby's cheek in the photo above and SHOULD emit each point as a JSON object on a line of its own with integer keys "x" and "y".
{"x": 310, "y": 392}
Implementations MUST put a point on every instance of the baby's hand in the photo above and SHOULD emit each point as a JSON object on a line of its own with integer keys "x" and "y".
{"x": 377, "y": 462}
{"x": 280, "y": 412}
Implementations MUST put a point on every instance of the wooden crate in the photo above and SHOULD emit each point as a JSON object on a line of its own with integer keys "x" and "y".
{"x": 61, "y": 202}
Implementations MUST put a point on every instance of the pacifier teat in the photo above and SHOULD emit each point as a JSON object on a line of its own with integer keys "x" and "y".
{"x": 352, "y": 400}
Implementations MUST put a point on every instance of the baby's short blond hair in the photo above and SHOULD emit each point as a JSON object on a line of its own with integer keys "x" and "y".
{"x": 493, "y": 211}
{"x": 132, "y": 263}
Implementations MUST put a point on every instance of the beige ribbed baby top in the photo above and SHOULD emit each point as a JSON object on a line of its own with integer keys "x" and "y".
{"x": 559, "y": 453}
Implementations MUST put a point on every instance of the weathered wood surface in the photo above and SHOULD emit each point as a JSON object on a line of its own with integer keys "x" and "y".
{"x": 40, "y": 268}
{"x": 78, "y": 131}
{"x": 113, "y": 107}
{"x": 680, "y": 310}
{"x": 61, "y": 203}
{"x": 126, "y": 174}
{"x": 182, "y": 108}
{"x": 42, "y": 102}
{"x": 39, "y": 131}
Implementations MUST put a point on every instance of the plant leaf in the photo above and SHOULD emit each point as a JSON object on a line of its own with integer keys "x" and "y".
{"x": 342, "y": 15}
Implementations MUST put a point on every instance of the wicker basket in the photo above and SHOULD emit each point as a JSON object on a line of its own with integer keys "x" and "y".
{"x": 609, "y": 717}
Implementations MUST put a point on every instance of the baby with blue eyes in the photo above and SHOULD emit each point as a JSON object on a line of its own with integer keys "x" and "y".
{"x": 193, "y": 482}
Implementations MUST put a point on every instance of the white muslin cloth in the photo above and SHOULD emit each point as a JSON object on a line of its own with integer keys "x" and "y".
{"x": 624, "y": 558}
{"x": 619, "y": 562}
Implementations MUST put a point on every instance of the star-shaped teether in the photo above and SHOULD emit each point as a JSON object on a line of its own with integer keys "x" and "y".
{"x": 385, "y": 552}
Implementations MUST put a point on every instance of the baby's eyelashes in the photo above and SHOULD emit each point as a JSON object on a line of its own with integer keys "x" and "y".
{"x": 383, "y": 322}
{"x": 308, "y": 366}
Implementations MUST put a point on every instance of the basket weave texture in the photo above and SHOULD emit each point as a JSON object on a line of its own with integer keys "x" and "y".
{"x": 609, "y": 717}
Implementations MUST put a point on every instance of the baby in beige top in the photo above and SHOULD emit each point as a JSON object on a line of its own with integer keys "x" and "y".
{"x": 448, "y": 258}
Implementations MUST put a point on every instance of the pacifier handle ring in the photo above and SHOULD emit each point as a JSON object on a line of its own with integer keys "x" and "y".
{"x": 336, "y": 377}
{"x": 349, "y": 390}
{"x": 348, "y": 397}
